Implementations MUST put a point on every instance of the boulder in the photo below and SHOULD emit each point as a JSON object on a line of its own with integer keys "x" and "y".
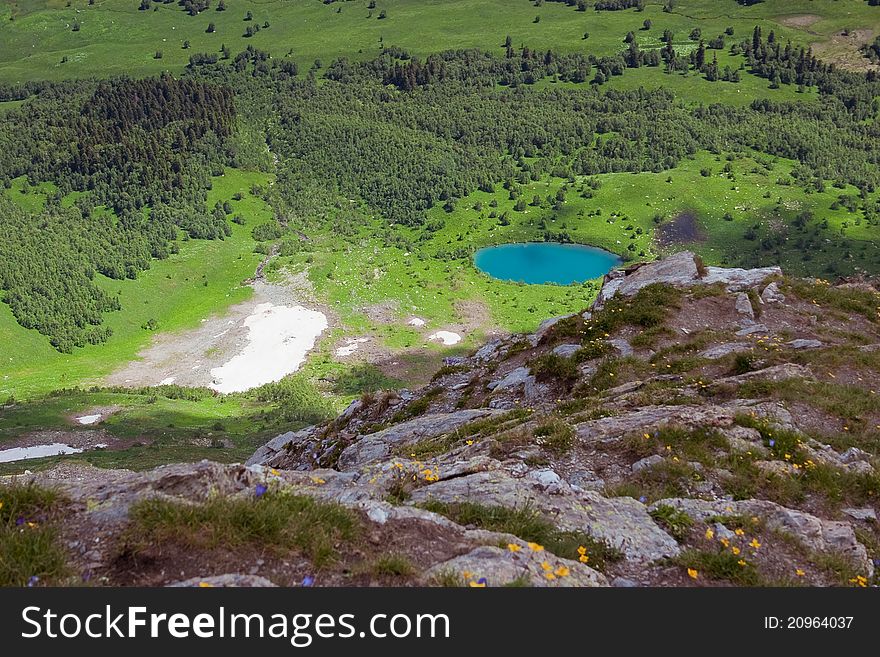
{"x": 738, "y": 280}
{"x": 622, "y": 522}
{"x": 744, "y": 305}
{"x": 567, "y": 350}
{"x": 496, "y": 566}
{"x": 804, "y": 344}
{"x": 771, "y": 294}
{"x": 265, "y": 454}
{"x": 521, "y": 376}
{"x": 380, "y": 445}
{"x": 646, "y": 463}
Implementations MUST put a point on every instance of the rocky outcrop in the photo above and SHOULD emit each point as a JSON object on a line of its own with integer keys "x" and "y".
{"x": 380, "y": 445}
{"x": 812, "y": 533}
{"x": 681, "y": 270}
{"x": 586, "y": 444}
{"x": 622, "y": 522}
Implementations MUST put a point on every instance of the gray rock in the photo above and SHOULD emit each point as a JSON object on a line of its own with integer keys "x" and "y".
{"x": 624, "y": 583}
{"x": 518, "y": 377}
{"x": 771, "y": 294}
{"x": 648, "y": 418}
{"x": 545, "y": 477}
{"x": 723, "y": 532}
{"x": 745, "y": 439}
{"x": 722, "y": 350}
{"x": 279, "y": 443}
{"x": 620, "y": 521}
{"x": 736, "y": 279}
{"x": 774, "y": 373}
{"x": 229, "y": 580}
{"x": 865, "y": 515}
{"x": 586, "y": 480}
{"x": 752, "y": 329}
{"x": 567, "y": 350}
{"x": 677, "y": 269}
{"x": 804, "y": 344}
{"x": 497, "y": 566}
{"x": 377, "y": 446}
{"x": 488, "y": 351}
{"x": 623, "y": 347}
{"x": 646, "y": 463}
{"x": 744, "y": 305}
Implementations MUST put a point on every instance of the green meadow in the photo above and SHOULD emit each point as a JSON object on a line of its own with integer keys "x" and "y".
{"x": 58, "y": 39}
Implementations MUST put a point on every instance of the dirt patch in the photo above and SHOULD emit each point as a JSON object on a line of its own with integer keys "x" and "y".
{"x": 799, "y": 20}
{"x": 383, "y": 312}
{"x": 843, "y": 50}
{"x": 683, "y": 229}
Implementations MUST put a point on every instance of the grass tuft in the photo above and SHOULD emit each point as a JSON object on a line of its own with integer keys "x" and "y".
{"x": 276, "y": 521}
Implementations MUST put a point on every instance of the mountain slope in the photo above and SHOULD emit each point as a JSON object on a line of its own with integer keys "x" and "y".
{"x": 696, "y": 425}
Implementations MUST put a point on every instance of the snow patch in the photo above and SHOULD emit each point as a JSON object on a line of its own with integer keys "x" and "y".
{"x": 446, "y": 337}
{"x": 279, "y": 337}
{"x": 37, "y": 451}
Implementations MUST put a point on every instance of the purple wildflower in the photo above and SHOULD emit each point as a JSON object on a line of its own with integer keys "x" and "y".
{"x": 261, "y": 490}
{"x": 32, "y": 581}
{"x": 772, "y": 443}
{"x": 643, "y": 499}
{"x": 308, "y": 580}
{"x": 19, "y": 521}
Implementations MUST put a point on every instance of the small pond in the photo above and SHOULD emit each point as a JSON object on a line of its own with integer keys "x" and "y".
{"x": 545, "y": 262}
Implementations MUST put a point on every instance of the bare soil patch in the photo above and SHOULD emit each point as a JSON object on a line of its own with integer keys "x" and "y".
{"x": 799, "y": 20}
{"x": 683, "y": 229}
{"x": 842, "y": 49}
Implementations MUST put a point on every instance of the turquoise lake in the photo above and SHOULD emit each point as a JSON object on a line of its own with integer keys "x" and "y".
{"x": 545, "y": 262}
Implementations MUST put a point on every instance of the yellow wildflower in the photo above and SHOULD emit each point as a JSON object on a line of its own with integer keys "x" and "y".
{"x": 742, "y": 562}
{"x": 582, "y": 550}
{"x": 562, "y": 571}
{"x": 513, "y": 547}
{"x": 583, "y": 558}
{"x": 710, "y": 534}
{"x": 692, "y": 573}
{"x": 535, "y": 547}
{"x": 206, "y": 585}
{"x": 735, "y": 550}
{"x": 799, "y": 572}
{"x": 546, "y": 566}
{"x": 725, "y": 542}
{"x": 755, "y": 544}
{"x": 467, "y": 574}
{"x": 550, "y": 576}
{"x": 738, "y": 531}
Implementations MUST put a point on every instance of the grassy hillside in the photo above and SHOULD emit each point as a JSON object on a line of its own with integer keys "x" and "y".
{"x": 38, "y": 39}
{"x": 204, "y": 278}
